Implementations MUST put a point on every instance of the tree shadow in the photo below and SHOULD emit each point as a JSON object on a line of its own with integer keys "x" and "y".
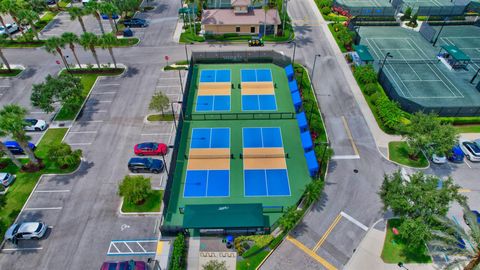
{"x": 131, "y": 72}
{"x": 28, "y": 73}
{"x": 64, "y": 180}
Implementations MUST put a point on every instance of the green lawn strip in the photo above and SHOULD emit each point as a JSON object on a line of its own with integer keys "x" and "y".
{"x": 252, "y": 262}
{"x": 151, "y": 204}
{"x": 22, "y": 187}
{"x": 64, "y": 3}
{"x": 44, "y": 20}
{"x": 394, "y": 250}
{"x": 7, "y": 43}
{"x": 398, "y": 152}
{"x": 127, "y": 42}
{"x": 340, "y": 45}
{"x": 13, "y": 73}
{"x": 468, "y": 128}
{"x": 160, "y": 117}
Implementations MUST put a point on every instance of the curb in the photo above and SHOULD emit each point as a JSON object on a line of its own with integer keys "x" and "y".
{"x": 15, "y": 66}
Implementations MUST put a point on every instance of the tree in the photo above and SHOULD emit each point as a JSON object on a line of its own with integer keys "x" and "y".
{"x": 288, "y": 220}
{"x": 215, "y": 265}
{"x": 66, "y": 89}
{"x": 313, "y": 191}
{"x": 407, "y": 14}
{"x": 110, "y": 10}
{"x": 93, "y": 8}
{"x": 426, "y": 132}
{"x": 12, "y": 7}
{"x": 365, "y": 74}
{"x": 77, "y": 13}
{"x": 37, "y": 5}
{"x": 30, "y": 17}
{"x": 2, "y": 56}
{"x": 63, "y": 155}
{"x": 413, "y": 21}
{"x": 4, "y": 149}
{"x": 54, "y": 45}
{"x": 135, "y": 189}
{"x": 88, "y": 42}
{"x": 70, "y": 39}
{"x": 3, "y": 11}
{"x": 415, "y": 233}
{"x": 159, "y": 102}
{"x": 345, "y": 36}
{"x": 12, "y": 122}
{"x": 446, "y": 242}
{"x": 108, "y": 41}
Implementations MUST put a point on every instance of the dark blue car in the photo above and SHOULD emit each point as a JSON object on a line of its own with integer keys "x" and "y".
{"x": 148, "y": 165}
{"x": 457, "y": 155}
{"x": 16, "y": 149}
{"x": 105, "y": 16}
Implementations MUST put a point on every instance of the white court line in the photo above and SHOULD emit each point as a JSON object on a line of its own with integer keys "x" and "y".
{"x": 42, "y": 208}
{"x": 354, "y": 221}
{"x": 74, "y": 144}
{"x": 53, "y": 191}
{"x": 20, "y": 249}
{"x": 155, "y": 134}
{"x": 346, "y": 157}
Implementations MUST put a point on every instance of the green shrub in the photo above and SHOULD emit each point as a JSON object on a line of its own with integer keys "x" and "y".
{"x": 324, "y": 3}
{"x": 407, "y": 14}
{"x": 62, "y": 155}
{"x": 374, "y": 97}
{"x": 370, "y": 89}
{"x": 365, "y": 74}
{"x": 326, "y": 10}
{"x": 468, "y": 120}
{"x": 390, "y": 112}
{"x": 178, "y": 254}
{"x": 230, "y": 35}
{"x": 135, "y": 189}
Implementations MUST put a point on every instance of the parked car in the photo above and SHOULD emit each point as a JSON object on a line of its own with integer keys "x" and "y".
{"x": 150, "y": 149}
{"x": 6, "y": 179}
{"x": 35, "y": 125}
{"x": 26, "y": 230}
{"x": 471, "y": 150}
{"x": 16, "y": 149}
{"x": 135, "y": 22}
{"x": 11, "y": 28}
{"x": 255, "y": 42}
{"x": 456, "y": 155}
{"x": 439, "y": 158}
{"x": 125, "y": 265}
{"x": 148, "y": 165}
{"x": 105, "y": 16}
{"x": 51, "y": 2}
{"x": 476, "y": 213}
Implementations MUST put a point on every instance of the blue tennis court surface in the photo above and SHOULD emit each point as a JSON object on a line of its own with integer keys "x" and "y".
{"x": 266, "y": 182}
{"x": 210, "y": 138}
{"x": 212, "y": 103}
{"x": 259, "y": 103}
{"x": 214, "y": 75}
{"x": 262, "y": 137}
{"x": 207, "y": 183}
{"x": 256, "y": 75}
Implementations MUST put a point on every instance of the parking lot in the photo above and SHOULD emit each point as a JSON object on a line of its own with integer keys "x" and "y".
{"x": 62, "y": 23}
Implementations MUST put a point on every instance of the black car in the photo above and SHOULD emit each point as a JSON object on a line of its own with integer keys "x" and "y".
{"x": 148, "y": 165}
{"x": 135, "y": 22}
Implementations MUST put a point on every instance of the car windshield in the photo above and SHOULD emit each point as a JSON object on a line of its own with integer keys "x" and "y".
{"x": 473, "y": 148}
{"x": 40, "y": 226}
{"x": 31, "y": 121}
{"x": 15, "y": 230}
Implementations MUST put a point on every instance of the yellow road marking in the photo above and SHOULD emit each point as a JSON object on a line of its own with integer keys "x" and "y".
{"x": 325, "y": 235}
{"x": 159, "y": 247}
{"x": 463, "y": 190}
{"x": 311, "y": 253}
{"x": 350, "y": 135}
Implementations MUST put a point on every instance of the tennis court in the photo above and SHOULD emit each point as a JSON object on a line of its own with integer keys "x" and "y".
{"x": 215, "y": 75}
{"x": 262, "y": 137}
{"x": 214, "y": 91}
{"x": 258, "y": 90}
{"x": 256, "y": 75}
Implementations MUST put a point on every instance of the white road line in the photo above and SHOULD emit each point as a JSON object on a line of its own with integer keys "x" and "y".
{"x": 20, "y": 249}
{"x": 53, "y": 191}
{"x": 80, "y": 144}
{"x": 131, "y": 251}
{"x": 104, "y": 93}
{"x": 155, "y": 134}
{"x": 346, "y": 157}
{"x": 141, "y": 247}
{"x": 42, "y": 208}
{"x": 113, "y": 244}
{"x": 466, "y": 162}
{"x": 354, "y": 221}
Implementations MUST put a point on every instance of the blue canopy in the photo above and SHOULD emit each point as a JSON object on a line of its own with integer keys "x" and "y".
{"x": 302, "y": 121}
{"x": 293, "y": 86}
{"x": 312, "y": 163}
{"x": 297, "y": 101}
{"x": 290, "y": 72}
{"x": 306, "y": 141}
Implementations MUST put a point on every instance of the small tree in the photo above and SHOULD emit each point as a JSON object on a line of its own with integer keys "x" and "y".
{"x": 413, "y": 21}
{"x": 365, "y": 74}
{"x": 66, "y": 89}
{"x": 288, "y": 220}
{"x": 407, "y": 14}
{"x": 215, "y": 265}
{"x": 178, "y": 254}
{"x": 135, "y": 189}
{"x": 313, "y": 191}
{"x": 159, "y": 102}
{"x": 63, "y": 156}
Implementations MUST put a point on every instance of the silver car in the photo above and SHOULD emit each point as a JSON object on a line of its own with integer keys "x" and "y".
{"x": 6, "y": 179}
{"x": 35, "y": 125}
{"x": 26, "y": 230}
{"x": 11, "y": 28}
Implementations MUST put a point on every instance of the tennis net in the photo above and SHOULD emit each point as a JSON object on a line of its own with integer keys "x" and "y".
{"x": 209, "y": 156}
{"x": 413, "y": 62}
{"x": 269, "y": 155}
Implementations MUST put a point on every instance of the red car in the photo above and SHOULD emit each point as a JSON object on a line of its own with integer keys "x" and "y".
{"x": 126, "y": 265}
{"x": 150, "y": 149}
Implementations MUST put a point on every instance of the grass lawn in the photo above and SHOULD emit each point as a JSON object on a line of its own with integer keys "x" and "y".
{"x": 44, "y": 20}
{"x": 22, "y": 187}
{"x": 151, "y": 204}
{"x": 340, "y": 45}
{"x": 159, "y": 117}
{"x": 7, "y": 43}
{"x": 127, "y": 42}
{"x": 13, "y": 73}
{"x": 251, "y": 263}
{"x": 398, "y": 153}
{"x": 394, "y": 250}
{"x": 468, "y": 128}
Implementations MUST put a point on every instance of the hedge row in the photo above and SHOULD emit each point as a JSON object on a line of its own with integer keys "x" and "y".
{"x": 178, "y": 254}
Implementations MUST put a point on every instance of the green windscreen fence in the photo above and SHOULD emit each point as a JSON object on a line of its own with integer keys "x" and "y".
{"x": 221, "y": 216}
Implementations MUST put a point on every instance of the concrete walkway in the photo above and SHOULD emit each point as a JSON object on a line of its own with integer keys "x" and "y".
{"x": 193, "y": 253}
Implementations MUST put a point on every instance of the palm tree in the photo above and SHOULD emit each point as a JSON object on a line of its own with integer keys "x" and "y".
{"x": 110, "y": 10}
{"x": 77, "y": 13}
{"x": 88, "y": 42}
{"x": 447, "y": 242}
{"x": 108, "y": 41}
{"x": 3, "y": 11}
{"x": 4, "y": 149}
{"x": 13, "y": 7}
{"x": 55, "y": 45}
{"x": 12, "y": 122}
{"x": 312, "y": 191}
{"x": 29, "y": 16}
{"x": 4, "y": 59}
{"x": 93, "y": 8}
{"x": 71, "y": 39}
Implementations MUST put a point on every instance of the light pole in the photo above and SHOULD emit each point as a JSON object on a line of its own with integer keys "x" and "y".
{"x": 181, "y": 83}
{"x": 313, "y": 69}
{"x": 294, "y": 49}
{"x": 439, "y": 32}
{"x": 165, "y": 165}
{"x": 400, "y": 264}
{"x": 186, "y": 54}
{"x": 475, "y": 76}
{"x": 173, "y": 116}
{"x": 388, "y": 55}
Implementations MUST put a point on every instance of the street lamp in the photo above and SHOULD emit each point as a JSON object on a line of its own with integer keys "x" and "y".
{"x": 400, "y": 264}
{"x": 165, "y": 165}
{"x": 181, "y": 83}
{"x": 439, "y": 32}
{"x": 313, "y": 69}
{"x": 173, "y": 116}
{"x": 388, "y": 55}
{"x": 475, "y": 76}
{"x": 294, "y": 49}
{"x": 186, "y": 52}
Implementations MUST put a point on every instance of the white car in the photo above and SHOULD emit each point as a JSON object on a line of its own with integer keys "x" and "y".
{"x": 35, "y": 125}
{"x": 26, "y": 230}
{"x": 439, "y": 159}
{"x": 6, "y": 179}
{"x": 11, "y": 28}
{"x": 471, "y": 150}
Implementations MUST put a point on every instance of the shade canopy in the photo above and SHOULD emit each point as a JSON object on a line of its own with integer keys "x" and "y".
{"x": 220, "y": 216}
{"x": 363, "y": 53}
{"x": 456, "y": 53}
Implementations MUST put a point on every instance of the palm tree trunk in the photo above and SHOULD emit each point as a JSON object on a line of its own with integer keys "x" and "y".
{"x": 59, "y": 51}
{"x": 99, "y": 22}
{"x": 110, "y": 50}
{"x": 28, "y": 151}
{"x": 112, "y": 25}
{"x": 11, "y": 156}
{"x": 80, "y": 20}
{"x": 5, "y": 27}
{"x": 473, "y": 263}
{"x": 4, "y": 60}
{"x": 34, "y": 29}
{"x": 94, "y": 52}
{"x": 72, "y": 48}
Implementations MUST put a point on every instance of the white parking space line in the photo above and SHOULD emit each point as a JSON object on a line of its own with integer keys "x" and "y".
{"x": 53, "y": 191}
{"x": 82, "y": 132}
{"x": 169, "y": 78}
{"x": 105, "y": 101}
{"x": 42, "y": 208}
{"x": 346, "y": 157}
{"x": 171, "y": 85}
{"x": 466, "y": 162}
{"x": 74, "y": 144}
{"x": 354, "y": 221}
{"x": 37, "y": 112}
{"x": 20, "y": 249}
